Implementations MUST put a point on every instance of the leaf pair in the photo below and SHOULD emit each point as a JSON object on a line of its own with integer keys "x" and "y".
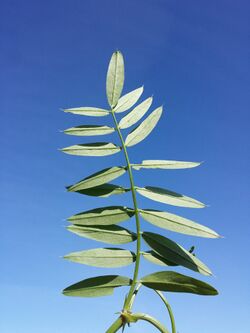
{"x": 164, "y": 281}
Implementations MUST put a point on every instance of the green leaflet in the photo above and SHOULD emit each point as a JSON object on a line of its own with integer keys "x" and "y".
{"x": 102, "y": 216}
{"x": 102, "y": 257}
{"x": 144, "y": 129}
{"x": 98, "y": 178}
{"x": 164, "y": 164}
{"x": 104, "y": 190}
{"x": 128, "y": 100}
{"x": 111, "y": 234}
{"x": 155, "y": 258}
{"x": 97, "y": 286}
{"x": 136, "y": 114}
{"x": 92, "y": 149}
{"x": 115, "y": 78}
{"x": 177, "y": 223}
{"x": 88, "y": 130}
{"x": 88, "y": 111}
{"x": 169, "y": 197}
{"x": 174, "y": 252}
{"x": 172, "y": 281}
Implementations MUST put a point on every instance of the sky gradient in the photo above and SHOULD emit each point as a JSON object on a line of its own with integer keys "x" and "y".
{"x": 193, "y": 57}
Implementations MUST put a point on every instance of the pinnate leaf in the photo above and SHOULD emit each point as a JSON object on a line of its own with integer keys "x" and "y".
{"x": 103, "y": 257}
{"x": 102, "y": 216}
{"x": 97, "y": 286}
{"x": 111, "y": 234}
{"x": 144, "y": 129}
{"x": 169, "y": 197}
{"x": 98, "y": 178}
{"x": 175, "y": 253}
{"x": 175, "y": 282}
{"x": 115, "y": 78}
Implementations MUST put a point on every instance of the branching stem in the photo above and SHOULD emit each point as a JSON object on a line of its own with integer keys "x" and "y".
{"x": 137, "y": 218}
{"x": 151, "y": 320}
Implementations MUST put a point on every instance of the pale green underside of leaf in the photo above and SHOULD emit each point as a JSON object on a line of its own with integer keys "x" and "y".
{"x": 103, "y": 257}
{"x": 128, "y": 100}
{"x": 102, "y": 216}
{"x": 115, "y": 78}
{"x": 169, "y": 197}
{"x": 164, "y": 164}
{"x": 136, "y": 114}
{"x": 175, "y": 282}
{"x": 92, "y": 149}
{"x": 97, "y": 286}
{"x": 174, "y": 252}
{"x": 98, "y": 178}
{"x": 177, "y": 223}
{"x": 88, "y": 111}
{"x": 88, "y": 130}
{"x": 111, "y": 234}
{"x": 156, "y": 259}
{"x": 104, "y": 190}
{"x": 144, "y": 129}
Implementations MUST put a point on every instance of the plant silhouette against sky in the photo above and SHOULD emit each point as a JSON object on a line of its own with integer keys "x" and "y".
{"x": 101, "y": 224}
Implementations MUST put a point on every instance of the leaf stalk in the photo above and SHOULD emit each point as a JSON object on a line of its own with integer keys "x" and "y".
{"x": 171, "y": 315}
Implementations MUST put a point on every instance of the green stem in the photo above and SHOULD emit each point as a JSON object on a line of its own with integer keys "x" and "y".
{"x": 115, "y": 326}
{"x": 134, "y": 295}
{"x": 171, "y": 315}
{"x": 138, "y": 228}
{"x": 151, "y": 320}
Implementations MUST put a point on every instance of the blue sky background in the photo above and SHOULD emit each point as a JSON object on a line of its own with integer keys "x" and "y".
{"x": 193, "y": 56}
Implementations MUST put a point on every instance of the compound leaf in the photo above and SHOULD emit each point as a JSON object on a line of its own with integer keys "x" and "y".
{"x": 97, "y": 286}
{"x": 128, "y": 100}
{"x": 164, "y": 164}
{"x": 169, "y": 197}
{"x": 115, "y": 78}
{"x": 88, "y": 111}
{"x": 111, "y": 234}
{"x": 175, "y": 253}
{"x": 103, "y": 257}
{"x": 102, "y": 216}
{"x": 177, "y": 223}
{"x": 88, "y": 130}
{"x": 92, "y": 149}
{"x": 98, "y": 178}
{"x": 144, "y": 129}
{"x": 175, "y": 282}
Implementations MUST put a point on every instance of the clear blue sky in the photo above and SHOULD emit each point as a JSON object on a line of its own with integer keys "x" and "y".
{"x": 193, "y": 56}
